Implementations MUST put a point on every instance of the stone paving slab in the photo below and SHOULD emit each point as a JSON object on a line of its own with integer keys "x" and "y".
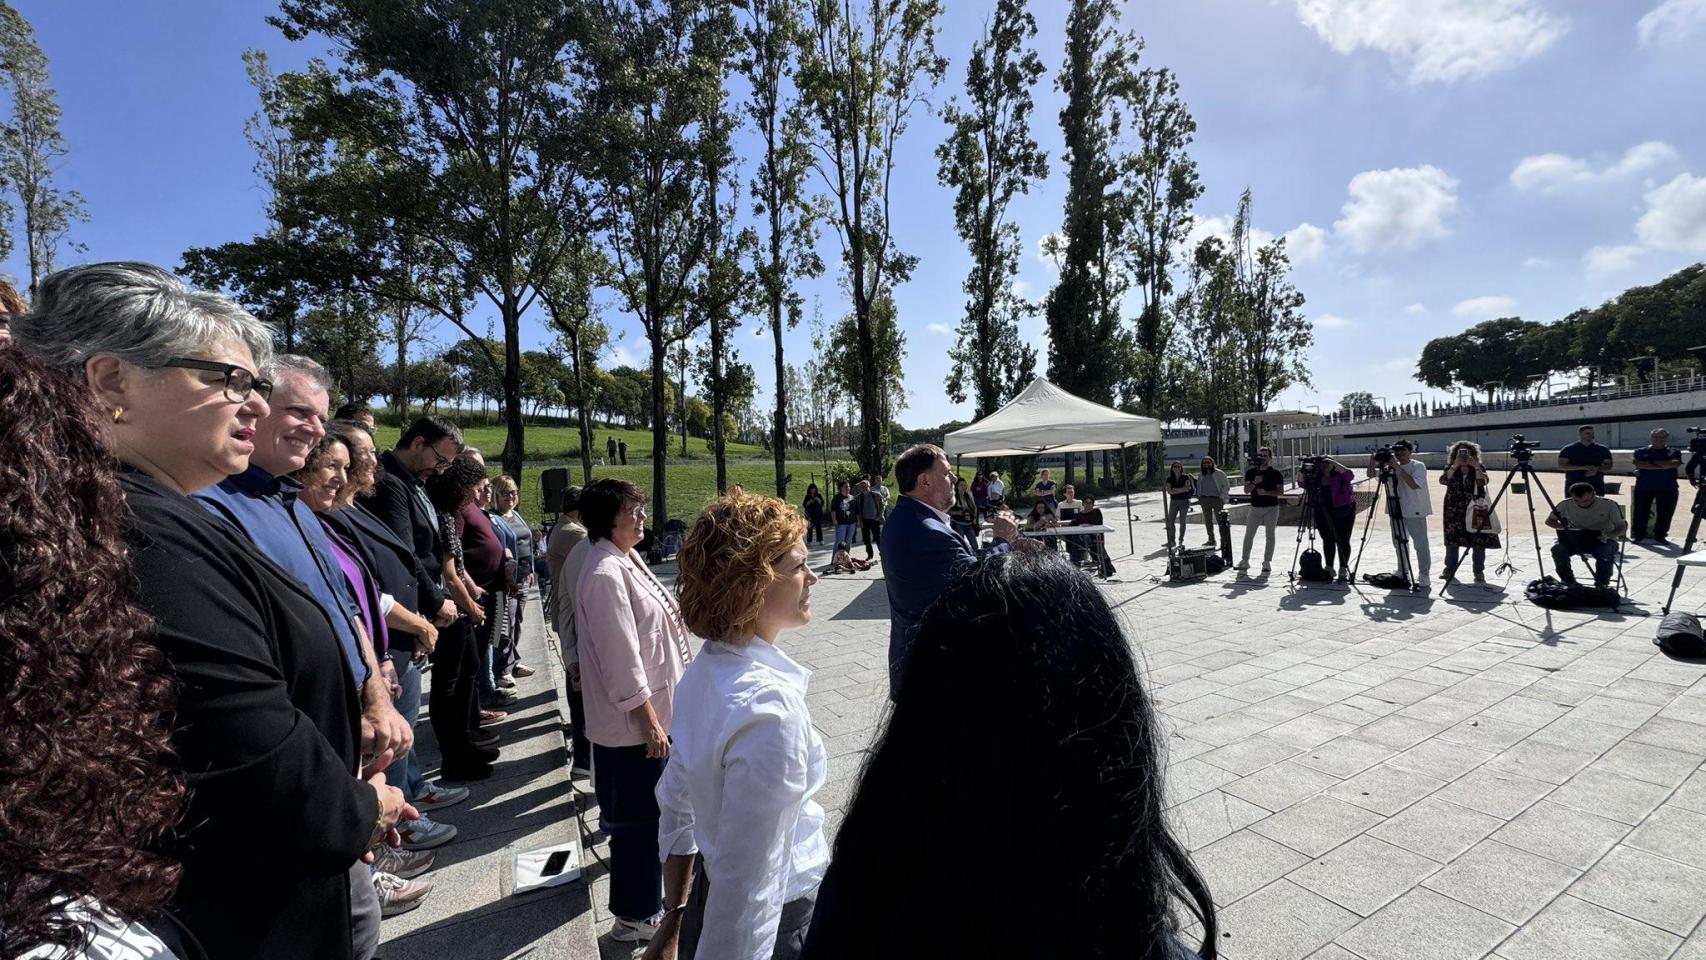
{"x": 1361, "y": 773}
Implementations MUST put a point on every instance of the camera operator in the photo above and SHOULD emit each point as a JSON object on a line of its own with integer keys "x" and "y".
{"x": 1335, "y": 503}
{"x": 1655, "y": 483}
{"x": 1465, "y": 479}
{"x": 1179, "y": 487}
{"x": 1586, "y": 523}
{"x": 1585, "y": 462}
{"x": 1415, "y": 504}
{"x": 1213, "y": 487}
{"x": 1264, "y": 485}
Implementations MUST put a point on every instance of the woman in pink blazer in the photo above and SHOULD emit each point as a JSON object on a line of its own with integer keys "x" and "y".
{"x": 633, "y": 647}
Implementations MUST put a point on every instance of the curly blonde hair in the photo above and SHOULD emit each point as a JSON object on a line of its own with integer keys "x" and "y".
{"x": 728, "y": 561}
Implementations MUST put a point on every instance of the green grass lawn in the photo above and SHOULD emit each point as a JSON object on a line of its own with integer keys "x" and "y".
{"x": 563, "y": 443}
{"x": 690, "y": 487}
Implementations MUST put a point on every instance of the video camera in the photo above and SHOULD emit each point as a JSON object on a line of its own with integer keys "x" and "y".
{"x": 1697, "y": 441}
{"x": 1383, "y": 457}
{"x": 1521, "y": 449}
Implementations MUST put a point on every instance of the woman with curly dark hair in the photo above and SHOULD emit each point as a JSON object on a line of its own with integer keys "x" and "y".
{"x": 83, "y": 698}
{"x": 467, "y": 751}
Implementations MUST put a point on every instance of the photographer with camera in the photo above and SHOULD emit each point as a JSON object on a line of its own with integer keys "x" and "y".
{"x": 1213, "y": 487}
{"x": 1465, "y": 481}
{"x": 1655, "y": 483}
{"x": 1264, "y": 485}
{"x": 1334, "y": 501}
{"x": 1415, "y": 504}
{"x": 1585, "y": 461}
{"x": 1586, "y": 523}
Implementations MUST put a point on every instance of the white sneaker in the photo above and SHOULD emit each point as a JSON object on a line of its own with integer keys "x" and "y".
{"x": 634, "y": 931}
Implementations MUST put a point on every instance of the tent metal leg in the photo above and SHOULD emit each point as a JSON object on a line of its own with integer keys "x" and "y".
{"x": 1125, "y": 481}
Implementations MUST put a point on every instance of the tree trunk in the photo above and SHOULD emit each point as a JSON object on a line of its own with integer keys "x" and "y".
{"x": 515, "y": 434}
{"x": 660, "y": 423}
{"x": 718, "y": 449}
{"x": 578, "y": 385}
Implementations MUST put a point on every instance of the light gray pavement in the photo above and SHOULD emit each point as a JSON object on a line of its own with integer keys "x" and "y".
{"x": 1357, "y": 773}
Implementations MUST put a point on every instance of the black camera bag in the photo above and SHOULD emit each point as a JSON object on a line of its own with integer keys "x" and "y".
{"x": 1555, "y": 594}
{"x": 1312, "y": 568}
{"x": 1387, "y": 581}
{"x": 1680, "y": 636}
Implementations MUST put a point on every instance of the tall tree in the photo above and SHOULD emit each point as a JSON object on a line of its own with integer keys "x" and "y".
{"x": 568, "y": 298}
{"x": 31, "y": 146}
{"x": 989, "y": 157}
{"x": 1083, "y": 307}
{"x": 1273, "y": 334}
{"x": 864, "y": 70}
{"x": 470, "y": 108}
{"x": 1207, "y": 353}
{"x": 654, "y": 79}
{"x": 1159, "y": 186}
{"x": 773, "y": 30}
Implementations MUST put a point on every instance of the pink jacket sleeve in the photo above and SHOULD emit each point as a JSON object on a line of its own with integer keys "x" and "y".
{"x": 607, "y": 624}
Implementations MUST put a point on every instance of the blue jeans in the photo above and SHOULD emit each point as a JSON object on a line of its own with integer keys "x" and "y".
{"x": 625, "y": 781}
{"x": 844, "y": 534}
{"x": 1604, "y": 557}
{"x": 405, "y": 771}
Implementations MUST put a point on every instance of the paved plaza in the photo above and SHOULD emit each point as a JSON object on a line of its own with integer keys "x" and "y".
{"x": 1357, "y": 773}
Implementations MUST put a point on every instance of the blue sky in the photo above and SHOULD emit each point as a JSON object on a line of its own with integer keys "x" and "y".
{"x": 1435, "y": 162}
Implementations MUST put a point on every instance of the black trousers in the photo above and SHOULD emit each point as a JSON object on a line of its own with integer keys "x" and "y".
{"x": 453, "y": 701}
{"x": 625, "y": 781}
{"x": 1641, "y": 505}
{"x": 873, "y": 533}
{"x": 814, "y": 527}
{"x": 791, "y": 929}
{"x": 1335, "y": 525}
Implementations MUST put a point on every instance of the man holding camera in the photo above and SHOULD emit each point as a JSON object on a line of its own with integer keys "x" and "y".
{"x": 1415, "y": 502}
{"x": 1586, "y": 523}
{"x": 1264, "y": 485}
{"x": 1585, "y": 461}
{"x": 1655, "y": 484}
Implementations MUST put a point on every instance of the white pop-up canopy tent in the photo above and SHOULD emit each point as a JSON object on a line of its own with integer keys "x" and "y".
{"x": 1043, "y": 418}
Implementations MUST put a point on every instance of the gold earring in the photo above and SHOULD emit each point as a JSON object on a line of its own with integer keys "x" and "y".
{"x": 118, "y": 414}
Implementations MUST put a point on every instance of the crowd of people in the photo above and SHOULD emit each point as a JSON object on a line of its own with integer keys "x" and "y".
{"x": 1588, "y": 524}
{"x": 221, "y": 597}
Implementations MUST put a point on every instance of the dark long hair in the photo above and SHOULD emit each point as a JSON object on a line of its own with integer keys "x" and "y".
{"x": 84, "y": 788}
{"x": 1013, "y": 804}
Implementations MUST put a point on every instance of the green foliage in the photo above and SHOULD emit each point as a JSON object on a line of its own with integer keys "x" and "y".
{"x": 989, "y": 157}
{"x": 32, "y": 149}
{"x": 864, "y": 69}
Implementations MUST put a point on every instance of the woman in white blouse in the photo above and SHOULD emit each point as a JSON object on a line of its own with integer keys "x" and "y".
{"x": 633, "y": 647}
{"x": 746, "y": 762}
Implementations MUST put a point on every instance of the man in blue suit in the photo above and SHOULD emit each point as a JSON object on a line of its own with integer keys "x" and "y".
{"x": 921, "y": 552}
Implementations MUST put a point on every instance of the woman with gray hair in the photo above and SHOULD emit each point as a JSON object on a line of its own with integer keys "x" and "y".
{"x": 266, "y": 729}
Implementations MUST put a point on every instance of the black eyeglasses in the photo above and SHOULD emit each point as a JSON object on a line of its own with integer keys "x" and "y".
{"x": 239, "y": 383}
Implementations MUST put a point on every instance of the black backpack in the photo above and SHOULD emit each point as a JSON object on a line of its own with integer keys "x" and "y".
{"x": 1310, "y": 567}
{"x": 1387, "y": 581}
{"x": 1680, "y": 636}
{"x": 1555, "y": 594}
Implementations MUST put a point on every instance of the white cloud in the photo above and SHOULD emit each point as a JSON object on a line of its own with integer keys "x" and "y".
{"x": 1332, "y": 321}
{"x": 1676, "y": 216}
{"x": 940, "y": 329}
{"x": 1397, "y": 209}
{"x": 621, "y": 356}
{"x": 1552, "y": 171}
{"x": 1305, "y": 243}
{"x": 1021, "y": 288}
{"x": 1416, "y": 310}
{"x": 1485, "y": 308}
{"x": 1043, "y": 243}
{"x": 1611, "y": 259}
{"x": 1672, "y": 22}
{"x": 1536, "y": 263}
{"x": 1437, "y": 40}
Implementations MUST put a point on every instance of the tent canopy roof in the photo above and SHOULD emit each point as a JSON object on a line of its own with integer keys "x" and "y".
{"x": 1043, "y": 418}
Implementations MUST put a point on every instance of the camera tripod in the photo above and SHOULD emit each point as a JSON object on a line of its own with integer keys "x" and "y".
{"x": 1305, "y": 520}
{"x": 1531, "y": 482}
{"x": 1388, "y": 477}
{"x": 1698, "y": 510}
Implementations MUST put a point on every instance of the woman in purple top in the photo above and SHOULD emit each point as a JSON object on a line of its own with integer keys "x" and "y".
{"x": 1336, "y": 515}
{"x": 323, "y": 475}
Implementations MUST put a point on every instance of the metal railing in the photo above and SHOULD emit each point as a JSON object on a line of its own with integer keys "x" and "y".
{"x": 1672, "y": 385}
